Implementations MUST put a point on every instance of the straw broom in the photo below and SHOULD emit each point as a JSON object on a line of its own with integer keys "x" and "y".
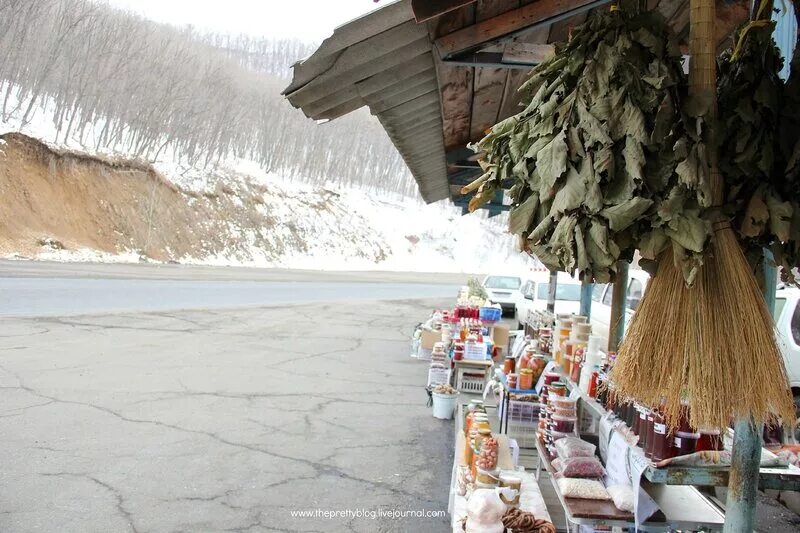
{"x": 712, "y": 344}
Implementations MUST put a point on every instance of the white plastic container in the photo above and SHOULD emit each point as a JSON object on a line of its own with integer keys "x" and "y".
{"x": 444, "y": 405}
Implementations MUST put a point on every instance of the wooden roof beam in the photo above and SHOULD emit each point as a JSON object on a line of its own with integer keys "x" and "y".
{"x": 505, "y": 26}
{"x": 429, "y": 9}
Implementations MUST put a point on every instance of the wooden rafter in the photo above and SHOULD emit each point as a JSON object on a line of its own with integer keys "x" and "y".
{"x": 508, "y": 24}
{"x": 428, "y": 9}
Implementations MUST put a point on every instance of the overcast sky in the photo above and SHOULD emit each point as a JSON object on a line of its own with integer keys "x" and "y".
{"x": 307, "y": 20}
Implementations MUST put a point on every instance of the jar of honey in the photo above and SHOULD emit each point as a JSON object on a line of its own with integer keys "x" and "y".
{"x": 526, "y": 379}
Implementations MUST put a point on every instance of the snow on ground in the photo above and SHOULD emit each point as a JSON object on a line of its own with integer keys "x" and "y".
{"x": 407, "y": 234}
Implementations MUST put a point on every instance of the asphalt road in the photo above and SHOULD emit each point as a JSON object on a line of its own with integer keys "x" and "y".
{"x": 226, "y": 417}
{"x": 57, "y": 289}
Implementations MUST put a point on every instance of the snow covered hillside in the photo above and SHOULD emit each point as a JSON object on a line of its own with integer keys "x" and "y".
{"x": 62, "y": 204}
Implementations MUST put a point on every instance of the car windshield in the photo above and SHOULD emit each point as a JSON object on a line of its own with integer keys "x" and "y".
{"x": 502, "y": 282}
{"x": 564, "y": 292}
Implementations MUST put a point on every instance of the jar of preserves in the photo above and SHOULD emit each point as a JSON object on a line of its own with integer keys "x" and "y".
{"x": 710, "y": 440}
{"x": 526, "y": 379}
{"x": 557, "y": 389}
{"x": 662, "y": 439}
{"x": 650, "y": 439}
{"x": 483, "y": 435}
{"x": 551, "y": 377}
{"x": 684, "y": 443}
{"x": 537, "y": 364}
{"x": 509, "y": 365}
{"x": 547, "y": 343}
{"x": 527, "y": 355}
{"x": 512, "y": 381}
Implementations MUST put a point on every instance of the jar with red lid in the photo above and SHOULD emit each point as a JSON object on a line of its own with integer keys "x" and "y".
{"x": 662, "y": 439}
{"x": 710, "y": 440}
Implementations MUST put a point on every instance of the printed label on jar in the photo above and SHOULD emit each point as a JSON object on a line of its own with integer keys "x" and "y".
{"x": 661, "y": 429}
{"x": 677, "y": 442}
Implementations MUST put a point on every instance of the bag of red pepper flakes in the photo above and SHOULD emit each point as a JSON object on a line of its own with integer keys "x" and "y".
{"x": 585, "y": 467}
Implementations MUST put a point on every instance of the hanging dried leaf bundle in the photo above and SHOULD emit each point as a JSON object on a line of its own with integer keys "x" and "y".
{"x": 713, "y": 344}
{"x": 599, "y": 160}
{"x": 750, "y": 96}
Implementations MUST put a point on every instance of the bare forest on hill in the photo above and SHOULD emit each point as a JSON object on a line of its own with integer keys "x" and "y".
{"x": 114, "y": 81}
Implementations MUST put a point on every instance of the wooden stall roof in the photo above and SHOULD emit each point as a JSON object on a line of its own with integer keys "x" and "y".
{"x": 438, "y": 84}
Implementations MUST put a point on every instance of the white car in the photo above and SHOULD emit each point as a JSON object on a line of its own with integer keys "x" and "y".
{"x": 787, "y": 322}
{"x": 535, "y": 292}
{"x": 600, "y": 316}
{"x": 503, "y": 290}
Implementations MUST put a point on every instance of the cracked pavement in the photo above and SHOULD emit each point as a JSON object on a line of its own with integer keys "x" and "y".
{"x": 212, "y": 420}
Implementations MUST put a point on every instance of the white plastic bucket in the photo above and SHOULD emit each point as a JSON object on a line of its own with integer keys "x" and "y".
{"x": 444, "y": 405}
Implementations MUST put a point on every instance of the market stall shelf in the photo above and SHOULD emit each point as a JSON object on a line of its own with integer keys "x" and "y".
{"x": 681, "y": 507}
{"x": 778, "y": 478}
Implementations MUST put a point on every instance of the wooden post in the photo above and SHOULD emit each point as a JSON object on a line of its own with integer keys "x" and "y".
{"x": 619, "y": 300}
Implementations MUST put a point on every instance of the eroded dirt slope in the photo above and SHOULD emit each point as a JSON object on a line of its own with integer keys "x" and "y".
{"x": 52, "y": 198}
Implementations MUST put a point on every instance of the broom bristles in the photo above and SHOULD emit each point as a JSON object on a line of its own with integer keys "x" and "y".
{"x": 712, "y": 345}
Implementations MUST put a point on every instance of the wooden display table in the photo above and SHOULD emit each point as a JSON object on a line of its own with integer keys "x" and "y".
{"x": 681, "y": 507}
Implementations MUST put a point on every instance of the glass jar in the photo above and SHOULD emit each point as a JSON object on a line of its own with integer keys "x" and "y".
{"x": 551, "y": 377}
{"x": 577, "y": 364}
{"x": 509, "y": 365}
{"x": 650, "y": 439}
{"x": 710, "y": 440}
{"x": 512, "y": 381}
{"x": 526, "y": 379}
{"x": 557, "y": 388}
{"x": 537, "y": 364}
{"x": 566, "y": 359}
{"x": 483, "y": 435}
{"x": 684, "y": 443}
{"x": 662, "y": 440}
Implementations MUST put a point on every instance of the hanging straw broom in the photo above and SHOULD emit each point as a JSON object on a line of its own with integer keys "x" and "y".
{"x": 712, "y": 344}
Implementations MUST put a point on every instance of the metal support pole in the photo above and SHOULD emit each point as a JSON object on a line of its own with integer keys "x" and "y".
{"x": 740, "y": 506}
{"x": 551, "y": 292}
{"x": 619, "y": 299}
{"x": 586, "y": 299}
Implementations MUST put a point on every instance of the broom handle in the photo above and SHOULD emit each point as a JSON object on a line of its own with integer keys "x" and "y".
{"x": 703, "y": 79}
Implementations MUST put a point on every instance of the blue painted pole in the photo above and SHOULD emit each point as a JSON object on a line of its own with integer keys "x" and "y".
{"x": 740, "y": 507}
{"x": 586, "y": 299}
{"x": 619, "y": 300}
